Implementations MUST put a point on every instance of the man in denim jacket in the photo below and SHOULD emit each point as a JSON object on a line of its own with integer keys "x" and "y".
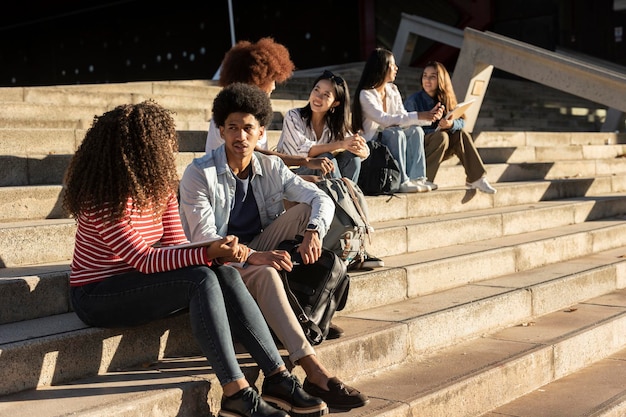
{"x": 236, "y": 191}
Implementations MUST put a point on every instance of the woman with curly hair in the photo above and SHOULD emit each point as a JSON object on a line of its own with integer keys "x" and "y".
{"x": 263, "y": 63}
{"x": 127, "y": 269}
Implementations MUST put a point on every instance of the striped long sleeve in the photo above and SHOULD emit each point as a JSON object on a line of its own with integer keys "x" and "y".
{"x": 104, "y": 249}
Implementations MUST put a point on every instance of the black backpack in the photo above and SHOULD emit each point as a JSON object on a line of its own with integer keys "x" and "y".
{"x": 380, "y": 172}
{"x": 315, "y": 291}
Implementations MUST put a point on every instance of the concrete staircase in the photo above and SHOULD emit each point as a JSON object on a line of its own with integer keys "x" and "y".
{"x": 511, "y": 304}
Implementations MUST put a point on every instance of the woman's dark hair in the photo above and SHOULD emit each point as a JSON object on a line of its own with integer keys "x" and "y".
{"x": 242, "y": 98}
{"x": 128, "y": 152}
{"x": 373, "y": 76}
{"x": 337, "y": 118}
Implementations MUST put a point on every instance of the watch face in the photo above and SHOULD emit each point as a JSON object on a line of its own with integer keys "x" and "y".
{"x": 311, "y": 226}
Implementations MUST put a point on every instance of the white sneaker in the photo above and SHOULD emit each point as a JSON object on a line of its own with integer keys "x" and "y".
{"x": 482, "y": 185}
{"x": 408, "y": 187}
{"x": 422, "y": 187}
{"x": 427, "y": 183}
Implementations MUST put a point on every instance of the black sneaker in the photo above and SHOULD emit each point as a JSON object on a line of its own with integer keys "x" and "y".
{"x": 372, "y": 262}
{"x": 339, "y": 395}
{"x": 247, "y": 403}
{"x": 367, "y": 263}
{"x": 284, "y": 391}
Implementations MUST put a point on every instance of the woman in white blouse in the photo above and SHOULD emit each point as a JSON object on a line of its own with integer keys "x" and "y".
{"x": 379, "y": 112}
{"x": 322, "y": 129}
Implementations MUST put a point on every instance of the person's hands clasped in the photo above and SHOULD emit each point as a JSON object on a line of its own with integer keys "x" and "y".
{"x": 323, "y": 164}
{"x": 357, "y": 145}
{"x": 311, "y": 248}
{"x": 279, "y": 259}
{"x": 228, "y": 249}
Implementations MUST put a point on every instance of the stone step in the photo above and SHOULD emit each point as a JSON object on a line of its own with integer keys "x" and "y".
{"x": 418, "y": 352}
{"x": 37, "y": 202}
{"x": 591, "y": 391}
{"x": 551, "y": 139}
{"x": 188, "y": 115}
{"x": 20, "y": 143}
{"x": 500, "y": 90}
{"x": 180, "y": 88}
{"x": 488, "y": 224}
{"x": 79, "y": 113}
{"x": 494, "y": 146}
{"x": 523, "y": 154}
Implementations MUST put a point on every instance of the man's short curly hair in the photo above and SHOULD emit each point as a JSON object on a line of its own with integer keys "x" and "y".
{"x": 256, "y": 63}
{"x": 242, "y": 98}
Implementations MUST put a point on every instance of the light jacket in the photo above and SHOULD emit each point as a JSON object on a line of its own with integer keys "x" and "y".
{"x": 207, "y": 192}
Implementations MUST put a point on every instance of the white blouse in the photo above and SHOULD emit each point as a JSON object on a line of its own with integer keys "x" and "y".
{"x": 298, "y": 137}
{"x": 376, "y": 119}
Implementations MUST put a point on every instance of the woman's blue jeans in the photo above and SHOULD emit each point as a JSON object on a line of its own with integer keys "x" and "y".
{"x": 407, "y": 146}
{"x": 216, "y": 297}
{"x": 346, "y": 164}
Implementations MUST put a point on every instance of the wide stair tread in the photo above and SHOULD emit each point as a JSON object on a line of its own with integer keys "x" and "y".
{"x": 487, "y": 372}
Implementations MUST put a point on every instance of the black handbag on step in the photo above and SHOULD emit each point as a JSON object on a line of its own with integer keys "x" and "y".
{"x": 315, "y": 291}
{"x": 380, "y": 172}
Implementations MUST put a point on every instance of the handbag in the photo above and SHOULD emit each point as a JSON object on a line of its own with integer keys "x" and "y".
{"x": 380, "y": 172}
{"x": 315, "y": 291}
{"x": 350, "y": 227}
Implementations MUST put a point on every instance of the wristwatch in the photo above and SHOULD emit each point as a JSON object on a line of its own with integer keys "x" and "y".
{"x": 312, "y": 228}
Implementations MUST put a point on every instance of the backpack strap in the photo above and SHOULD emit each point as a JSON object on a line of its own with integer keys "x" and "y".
{"x": 355, "y": 200}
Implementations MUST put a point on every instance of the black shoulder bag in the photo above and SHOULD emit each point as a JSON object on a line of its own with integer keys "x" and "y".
{"x": 315, "y": 291}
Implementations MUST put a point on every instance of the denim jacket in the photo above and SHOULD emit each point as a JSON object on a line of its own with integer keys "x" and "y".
{"x": 207, "y": 192}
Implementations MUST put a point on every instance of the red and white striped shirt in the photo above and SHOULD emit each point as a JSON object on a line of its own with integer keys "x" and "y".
{"x": 104, "y": 249}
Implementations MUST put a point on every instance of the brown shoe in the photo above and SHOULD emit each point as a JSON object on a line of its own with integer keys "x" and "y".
{"x": 339, "y": 395}
{"x": 334, "y": 331}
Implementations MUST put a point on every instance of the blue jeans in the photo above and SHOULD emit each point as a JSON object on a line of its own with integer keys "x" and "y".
{"x": 217, "y": 300}
{"x": 346, "y": 164}
{"x": 407, "y": 146}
